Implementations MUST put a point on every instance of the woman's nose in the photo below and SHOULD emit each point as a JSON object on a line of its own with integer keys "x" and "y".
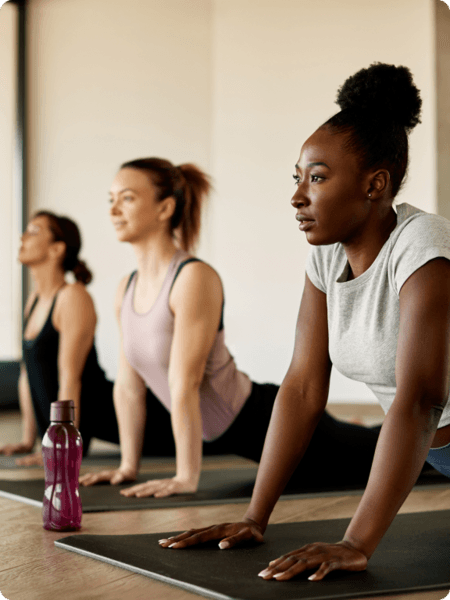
{"x": 114, "y": 210}
{"x": 297, "y": 199}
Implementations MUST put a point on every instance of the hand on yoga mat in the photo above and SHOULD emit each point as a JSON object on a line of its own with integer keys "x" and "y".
{"x": 161, "y": 488}
{"x": 10, "y": 449}
{"x": 114, "y": 476}
{"x": 230, "y": 534}
{"x": 33, "y": 460}
{"x": 328, "y": 557}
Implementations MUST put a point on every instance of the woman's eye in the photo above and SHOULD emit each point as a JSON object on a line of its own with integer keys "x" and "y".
{"x": 296, "y": 179}
{"x": 128, "y": 198}
{"x": 316, "y": 178}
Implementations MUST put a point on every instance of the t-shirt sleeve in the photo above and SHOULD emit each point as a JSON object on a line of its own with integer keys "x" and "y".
{"x": 316, "y": 268}
{"x": 424, "y": 238}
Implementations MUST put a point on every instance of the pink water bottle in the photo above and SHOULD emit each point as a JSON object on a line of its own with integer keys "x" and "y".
{"x": 62, "y": 450}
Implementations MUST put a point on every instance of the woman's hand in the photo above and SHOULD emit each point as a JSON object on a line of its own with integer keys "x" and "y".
{"x": 10, "y": 449}
{"x": 328, "y": 557}
{"x": 230, "y": 534}
{"x": 33, "y": 460}
{"x": 161, "y": 488}
{"x": 114, "y": 476}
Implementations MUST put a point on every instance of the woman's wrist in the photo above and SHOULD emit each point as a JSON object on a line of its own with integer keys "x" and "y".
{"x": 28, "y": 444}
{"x": 190, "y": 477}
{"x": 129, "y": 469}
{"x": 252, "y": 519}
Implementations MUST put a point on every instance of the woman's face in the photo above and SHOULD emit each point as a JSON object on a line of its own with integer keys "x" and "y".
{"x": 134, "y": 207}
{"x": 331, "y": 197}
{"x": 37, "y": 242}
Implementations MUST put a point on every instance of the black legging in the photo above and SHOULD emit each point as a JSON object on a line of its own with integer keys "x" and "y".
{"x": 339, "y": 454}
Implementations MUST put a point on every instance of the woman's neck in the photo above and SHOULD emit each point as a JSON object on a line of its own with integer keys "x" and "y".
{"x": 47, "y": 280}
{"x": 153, "y": 255}
{"x": 362, "y": 252}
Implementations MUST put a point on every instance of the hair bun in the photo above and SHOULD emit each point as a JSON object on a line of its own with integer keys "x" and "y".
{"x": 385, "y": 91}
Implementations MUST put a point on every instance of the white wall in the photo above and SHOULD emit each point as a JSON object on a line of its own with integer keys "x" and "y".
{"x": 277, "y": 67}
{"x": 10, "y": 292}
{"x": 236, "y": 86}
{"x": 111, "y": 81}
{"x": 443, "y": 105}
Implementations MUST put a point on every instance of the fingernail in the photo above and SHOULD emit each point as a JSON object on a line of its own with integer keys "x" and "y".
{"x": 162, "y": 541}
{"x": 278, "y": 575}
{"x": 312, "y": 577}
{"x": 172, "y": 545}
{"x": 223, "y": 545}
{"x": 263, "y": 573}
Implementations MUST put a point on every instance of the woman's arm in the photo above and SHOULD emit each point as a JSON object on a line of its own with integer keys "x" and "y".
{"x": 129, "y": 396}
{"x": 422, "y": 377}
{"x": 196, "y": 301}
{"x": 75, "y": 319}
{"x": 298, "y": 407}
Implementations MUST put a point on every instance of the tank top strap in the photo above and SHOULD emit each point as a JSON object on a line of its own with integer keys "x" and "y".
{"x": 33, "y": 306}
{"x": 35, "y": 301}
{"x": 130, "y": 279}
{"x": 180, "y": 266}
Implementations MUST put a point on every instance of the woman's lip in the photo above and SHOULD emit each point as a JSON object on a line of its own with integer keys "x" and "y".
{"x": 305, "y": 224}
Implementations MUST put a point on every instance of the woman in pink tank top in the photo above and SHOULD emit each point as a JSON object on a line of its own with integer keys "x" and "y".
{"x": 172, "y": 343}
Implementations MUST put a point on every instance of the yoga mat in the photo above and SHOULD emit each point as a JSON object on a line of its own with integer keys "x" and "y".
{"x": 217, "y": 486}
{"x": 413, "y": 556}
{"x": 112, "y": 459}
{"x": 108, "y": 459}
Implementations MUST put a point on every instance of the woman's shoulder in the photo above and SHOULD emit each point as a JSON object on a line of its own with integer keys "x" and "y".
{"x": 418, "y": 238}
{"x": 197, "y": 280}
{"x": 195, "y": 271}
{"x": 72, "y": 297}
{"x": 419, "y": 229}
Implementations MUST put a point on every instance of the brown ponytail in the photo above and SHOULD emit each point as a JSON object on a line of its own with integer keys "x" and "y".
{"x": 65, "y": 230}
{"x": 188, "y": 185}
{"x": 82, "y": 273}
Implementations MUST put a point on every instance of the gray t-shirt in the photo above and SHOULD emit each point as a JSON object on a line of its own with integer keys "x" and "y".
{"x": 364, "y": 313}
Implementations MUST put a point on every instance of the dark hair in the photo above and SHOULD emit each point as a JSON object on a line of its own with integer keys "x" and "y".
{"x": 187, "y": 184}
{"x": 379, "y": 105}
{"x": 65, "y": 230}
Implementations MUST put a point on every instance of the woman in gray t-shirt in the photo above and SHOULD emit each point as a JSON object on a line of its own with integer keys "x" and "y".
{"x": 376, "y": 304}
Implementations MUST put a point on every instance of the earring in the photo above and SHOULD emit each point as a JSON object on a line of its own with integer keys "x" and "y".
{"x": 370, "y": 195}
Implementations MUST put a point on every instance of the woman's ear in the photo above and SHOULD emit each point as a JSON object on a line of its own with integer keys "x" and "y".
{"x": 167, "y": 208}
{"x": 58, "y": 250}
{"x": 379, "y": 184}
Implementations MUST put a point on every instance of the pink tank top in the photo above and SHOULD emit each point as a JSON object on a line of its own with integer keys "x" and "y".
{"x": 147, "y": 341}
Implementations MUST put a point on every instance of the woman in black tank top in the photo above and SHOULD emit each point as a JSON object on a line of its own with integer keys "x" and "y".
{"x": 59, "y": 356}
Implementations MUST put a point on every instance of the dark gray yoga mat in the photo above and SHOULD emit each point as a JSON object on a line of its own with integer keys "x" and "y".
{"x": 217, "y": 486}
{"x": 108, "y": 459}
{"x": 413, "y": 556}
{"x": 112, "y": 459}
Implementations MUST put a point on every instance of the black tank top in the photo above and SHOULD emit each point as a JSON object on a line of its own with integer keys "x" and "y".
{"x": 40, "y": 356}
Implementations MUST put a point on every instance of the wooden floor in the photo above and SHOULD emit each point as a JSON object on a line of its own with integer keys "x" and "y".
{"x": 32, "y": 568}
